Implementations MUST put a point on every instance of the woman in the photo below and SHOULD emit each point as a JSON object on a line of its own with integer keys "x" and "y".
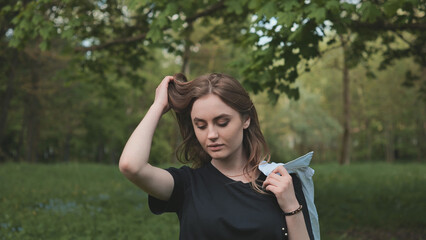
{"x": 224, "y": 196}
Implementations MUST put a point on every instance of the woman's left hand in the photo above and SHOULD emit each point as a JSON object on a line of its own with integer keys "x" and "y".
{"x": 281, "y": 185}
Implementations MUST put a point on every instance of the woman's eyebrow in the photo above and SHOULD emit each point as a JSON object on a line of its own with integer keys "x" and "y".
{"x": 223, "y": 115}
{"x": 198, "y": 120}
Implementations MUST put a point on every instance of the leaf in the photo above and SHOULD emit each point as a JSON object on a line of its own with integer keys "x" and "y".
{"x": 318, "y": 14}
{"x": 348, "y": 7}
{"x": 331, "y": 41}
{"x": 293, "y": 93}
{"x": 177, "y": 24}
{"x": 154, "y": 34}
{"x": 391, "y": 6}
{"x": 67, "y": 34}
{"x": 268, "y": 10}
{"x": 171, "y": 9}
{"x": 234, "y": 6}
{"x": 286, "y": 18}
{"x": 309, "y": 52}
{"x": 273, "y": 97}
{"x": 410, "y": 79}
{"x": 161, "y": 21}
{"x": 6, "y": 9}
{"x": 37, "y": 18}
{"x": 369, "y": 12}
{"x": 296, "y": 35}
{"x": 14, "y": 42}
{"x": 254, "y": 4}
{"x": 135, "y": 4}
{"x": 292, "y": 75}
{"x": 333, "y": 6}
{"x": 290, "y": 5}
{"x": 43, "y": 45}
{"x": 44, "y": 32}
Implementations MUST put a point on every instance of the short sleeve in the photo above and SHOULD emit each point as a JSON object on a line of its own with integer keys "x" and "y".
{"x": 175, "y": 202}
{"x": 301, "y": 199}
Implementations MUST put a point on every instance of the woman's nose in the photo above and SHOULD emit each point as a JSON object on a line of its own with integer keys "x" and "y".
{"x": 212, "y": 134}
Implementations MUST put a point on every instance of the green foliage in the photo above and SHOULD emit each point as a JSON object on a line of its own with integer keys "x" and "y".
{"x": 386, "y": 116}
{"x": 293, "y": 128}
{"x": 301, "y": 26}
{"x": 93, "y": 201}
{"x": 79, "y": 75}
{"x": 294, "y": 37}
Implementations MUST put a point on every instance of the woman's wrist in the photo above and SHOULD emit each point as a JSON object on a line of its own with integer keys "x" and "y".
{"x": 290, "y": 206}
{"x": 158, "y": 107}
{"x": 295, "y": 211}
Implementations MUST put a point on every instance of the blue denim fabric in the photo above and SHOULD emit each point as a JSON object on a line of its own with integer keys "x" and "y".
{"x": 300, "y": 166}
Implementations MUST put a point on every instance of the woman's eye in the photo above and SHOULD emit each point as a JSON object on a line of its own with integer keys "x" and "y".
{"x": 201, "y": 126}
{"x": 223, "y": 123}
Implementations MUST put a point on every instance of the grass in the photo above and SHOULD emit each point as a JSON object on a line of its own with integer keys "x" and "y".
{"x": 89, "y": 201}
{"x": 371, "y": 201}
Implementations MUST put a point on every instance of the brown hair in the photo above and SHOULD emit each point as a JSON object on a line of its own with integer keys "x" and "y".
{"x": 182, "y": 95}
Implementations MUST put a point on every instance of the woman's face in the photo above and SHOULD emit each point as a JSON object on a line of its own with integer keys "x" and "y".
{"x": 218, "y": 127}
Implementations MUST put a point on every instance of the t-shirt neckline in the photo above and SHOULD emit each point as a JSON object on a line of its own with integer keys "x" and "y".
{"x": 230, "y": 180}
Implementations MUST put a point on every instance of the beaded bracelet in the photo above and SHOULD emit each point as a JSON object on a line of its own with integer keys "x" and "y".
{"x": 294, "y": 212}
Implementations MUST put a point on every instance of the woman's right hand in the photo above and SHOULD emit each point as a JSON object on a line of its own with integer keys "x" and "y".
{"x": 161, "y": 94}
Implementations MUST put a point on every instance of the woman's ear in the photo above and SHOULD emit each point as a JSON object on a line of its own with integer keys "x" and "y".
{"x": 246, "y": 122}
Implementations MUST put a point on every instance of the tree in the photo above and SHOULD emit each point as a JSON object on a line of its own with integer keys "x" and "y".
{"x": 282, "y": 37}
{"x": 295, "y": 29}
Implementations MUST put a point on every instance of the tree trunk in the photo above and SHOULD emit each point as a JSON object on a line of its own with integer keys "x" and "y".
{"x": 421, "y": 125}
{"x": 421, "y": 136}
{"x": 5, "y": 103}
{"x": 66, "y": 152}
{"x": 211, "y": 63}
{"x": 100, "y": 152}
{"x": 32, "y": 119}
{"x": 368, "y": 140}
{"x": 345, "y": 154}
{"x": 390, "y": 146}
{"x": 185, "y": 58}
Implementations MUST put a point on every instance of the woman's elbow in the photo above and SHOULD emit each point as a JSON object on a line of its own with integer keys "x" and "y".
{"x": 126, "y": 167}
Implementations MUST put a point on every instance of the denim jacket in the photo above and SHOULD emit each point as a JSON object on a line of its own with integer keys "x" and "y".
{"x": 300, "y": 166}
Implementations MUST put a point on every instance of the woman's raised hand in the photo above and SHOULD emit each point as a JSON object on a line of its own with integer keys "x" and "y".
{"x": 281, "y": 185}
{"x": 161, "y": 94}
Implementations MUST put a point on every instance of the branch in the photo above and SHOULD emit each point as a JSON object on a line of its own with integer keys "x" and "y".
{"x": 213, "y": 8}
{"x": 387, "y": 26}
{"x": 110, "y": 43}
{"x": 210, "y": 10}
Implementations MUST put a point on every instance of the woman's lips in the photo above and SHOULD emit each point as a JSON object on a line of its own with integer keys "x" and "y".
{"x": 215, "y": 147}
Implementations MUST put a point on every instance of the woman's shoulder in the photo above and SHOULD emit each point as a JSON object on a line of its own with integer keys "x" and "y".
{"x": 187, "y": 170}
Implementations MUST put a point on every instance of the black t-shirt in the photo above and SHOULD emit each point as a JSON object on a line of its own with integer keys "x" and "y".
{"x": 210, "y": 205}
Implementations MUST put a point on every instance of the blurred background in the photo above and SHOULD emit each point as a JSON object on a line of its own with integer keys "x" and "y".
{"x": 345, "y": 79}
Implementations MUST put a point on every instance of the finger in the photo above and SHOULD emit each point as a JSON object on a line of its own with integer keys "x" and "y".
{"x": 280, "y": 177}
{"x": 271, "y": 181}
{"x": 281, "y": 170}
{"x": 164, "y": 83}
{"x": 272, "y": 188}
{"x": 166, "y": 80}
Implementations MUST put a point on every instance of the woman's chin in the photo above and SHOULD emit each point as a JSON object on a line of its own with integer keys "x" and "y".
{"x": 217, "y": 156}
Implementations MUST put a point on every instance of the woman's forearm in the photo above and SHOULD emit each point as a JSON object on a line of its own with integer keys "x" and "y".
{"x": 296, "y": 227}
{"x": 135, "y": 154}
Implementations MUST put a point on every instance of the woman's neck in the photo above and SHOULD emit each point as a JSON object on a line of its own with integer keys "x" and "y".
{"x": 232, "y": 164}
{"x": 229, "y": 168}
{"x": 234, "y": 168}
